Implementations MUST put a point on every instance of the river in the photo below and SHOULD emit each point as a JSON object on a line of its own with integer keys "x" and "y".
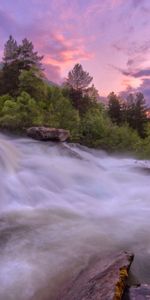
{"x": 62, "y": 204}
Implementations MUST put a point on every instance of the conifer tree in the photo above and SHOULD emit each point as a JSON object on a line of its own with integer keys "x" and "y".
{"x": 114, "y": 108}
{"x": 136, "y": 113}
{"x": 16, "y": 59}
{"x": 28, "y": 57}
{"x": 10, "y": 51}
{"x": 78, "y": 79}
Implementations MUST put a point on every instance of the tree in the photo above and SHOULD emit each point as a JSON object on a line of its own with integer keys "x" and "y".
{"x": 17, "y": 59}
{"x": 136, "y": 113}
{"x": 10, "y": 68}
{"x": 121, "y": 138}
{"x": 10, "y": 51}
{"x": 58, "y": 112}
{"x": 78, "y": 79}
{"x": 30, "y": 81}
{"x": 81, "y": 102}
{"x": 78, "y": 82}
{"x": 9, "y": 79}
{"x": 114, "y": 108}
{"x": 92, "y": 93}
{"x": 28, "y": 57}
{"x": 19, "y": 113}
{"x": 94, "y": 127}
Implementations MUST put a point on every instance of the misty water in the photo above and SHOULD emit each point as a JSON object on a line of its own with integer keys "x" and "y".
{"x": 62, "y": 204}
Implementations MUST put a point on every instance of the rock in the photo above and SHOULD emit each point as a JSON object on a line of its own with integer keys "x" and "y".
{"x": 48, "y": 134}
{"x": 141, "y": 292}
{"x": 66, "y": 150}
{"x": 101, "y": 280}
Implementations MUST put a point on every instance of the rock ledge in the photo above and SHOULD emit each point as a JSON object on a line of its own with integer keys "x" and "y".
{"x": 101, "y": 280}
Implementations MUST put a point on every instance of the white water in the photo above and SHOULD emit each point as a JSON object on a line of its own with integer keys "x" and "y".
{"x": 59, "y": 206}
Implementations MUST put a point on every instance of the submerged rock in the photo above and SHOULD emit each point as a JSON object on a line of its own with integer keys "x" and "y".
{"x": 101, "y": 280}
{"x": 48, "y": 134}
{"x": 141, "y": 292}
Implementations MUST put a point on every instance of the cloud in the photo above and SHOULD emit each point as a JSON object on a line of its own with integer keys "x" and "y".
{"x": 144, "y": 88}
{"x": 62, "y": 51}
{"x": 54, "y": 31}
{"x": 134, "y": 73}
{"x": 132, "y": 47}
{"x": 142, "y": 73}
{"x": 53, "y": 73}
{"x": 66, "y": 32}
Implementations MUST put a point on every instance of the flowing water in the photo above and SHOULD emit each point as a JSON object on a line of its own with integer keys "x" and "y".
{"x": 60, "y": 205}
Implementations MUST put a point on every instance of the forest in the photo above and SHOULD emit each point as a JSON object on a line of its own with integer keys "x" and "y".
{"x": 28, "y": 99}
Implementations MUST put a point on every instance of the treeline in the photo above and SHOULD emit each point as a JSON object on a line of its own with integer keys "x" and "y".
{"x": 27, "y": 99}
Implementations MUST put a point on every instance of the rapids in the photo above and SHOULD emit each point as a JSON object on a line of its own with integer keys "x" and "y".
{"x": 62, "y": 204}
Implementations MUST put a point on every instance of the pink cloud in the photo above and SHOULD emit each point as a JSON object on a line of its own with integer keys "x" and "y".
{"x": 53, "y": 72}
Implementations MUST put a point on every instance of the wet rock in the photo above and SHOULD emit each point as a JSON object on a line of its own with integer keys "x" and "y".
{"x": 101, "y": 280}
{"x": 144, "y": 170}
{"x": 48, "y": 134}
{"x": 66, "y": 150}
{"x": 141, "y": 292}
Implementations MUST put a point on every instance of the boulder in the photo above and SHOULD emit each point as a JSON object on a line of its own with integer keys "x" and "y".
{"x": 101, "y": 280}
{"x": 48, "y": 134}
{"x": 141, "y": 292}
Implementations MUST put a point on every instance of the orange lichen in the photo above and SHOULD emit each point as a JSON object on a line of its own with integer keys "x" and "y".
{"x": 120, "y": 285}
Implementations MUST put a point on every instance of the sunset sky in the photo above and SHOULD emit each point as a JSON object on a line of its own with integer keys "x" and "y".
{"x": 110, "y": 38}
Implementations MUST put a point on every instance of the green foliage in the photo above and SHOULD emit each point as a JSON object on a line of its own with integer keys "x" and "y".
{"x": 60, "y": 112}
{"x": 2, "y": 101}
{"x": 31, "y": 82}
{"x": 18, "y": 113}
{"x": 98, "y": 131}
{"x": 81, "y": 102}
{"x": 27, "y": 100}
{"x": 121, "y": 138}
{"x": 94, "y": 126}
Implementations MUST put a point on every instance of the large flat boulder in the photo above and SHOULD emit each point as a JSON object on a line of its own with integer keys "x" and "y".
{"x": 48, "y": 134}
{"x": 101, "y": 280}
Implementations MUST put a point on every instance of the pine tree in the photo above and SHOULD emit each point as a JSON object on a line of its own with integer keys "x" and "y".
{"x": 78, "y": 79}
{"x": 10, "y": 51}
{"x": 78, "y": 82}
{"x": 136, "y": 113}
{"x": 10, "y": 68}
{"x": 114, "y": 108}
{"x": 17, "y": 59}
{"x": 28, "y": 57}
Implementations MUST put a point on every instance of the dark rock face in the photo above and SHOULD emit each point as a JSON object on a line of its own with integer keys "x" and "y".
{"x": 102, "y": 280}
{"x": 138, "y": 293}
{"x": 48, "y": 134}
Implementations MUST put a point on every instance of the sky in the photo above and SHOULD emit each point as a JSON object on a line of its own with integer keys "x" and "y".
{"x": 110, "y": 38}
